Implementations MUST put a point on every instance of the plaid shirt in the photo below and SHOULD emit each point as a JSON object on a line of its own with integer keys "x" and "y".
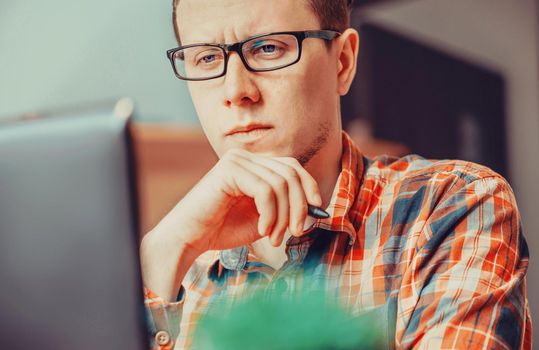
{"x": 442, "y": 239}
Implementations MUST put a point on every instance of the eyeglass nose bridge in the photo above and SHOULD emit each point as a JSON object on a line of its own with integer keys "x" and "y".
{"x": 237, "y": 48}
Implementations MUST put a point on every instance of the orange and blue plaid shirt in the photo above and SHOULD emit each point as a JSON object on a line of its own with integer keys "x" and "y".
{"x": 441, "y": 239}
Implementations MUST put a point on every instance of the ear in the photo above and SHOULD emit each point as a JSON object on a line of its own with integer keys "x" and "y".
{"x": 348, "y": 50}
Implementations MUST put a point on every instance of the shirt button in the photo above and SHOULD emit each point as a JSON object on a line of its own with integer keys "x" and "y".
{"x": 162, "y": 338}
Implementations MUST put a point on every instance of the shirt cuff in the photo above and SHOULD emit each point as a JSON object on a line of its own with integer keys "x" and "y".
{"x": 163, "y": 319}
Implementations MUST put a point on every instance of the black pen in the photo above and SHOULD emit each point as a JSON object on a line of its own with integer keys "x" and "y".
{"x": 316, "y": 212}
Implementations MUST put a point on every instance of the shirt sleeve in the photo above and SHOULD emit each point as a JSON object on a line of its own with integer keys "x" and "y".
{"x": 163, "y": 319}
{"x": 465, "y": 285}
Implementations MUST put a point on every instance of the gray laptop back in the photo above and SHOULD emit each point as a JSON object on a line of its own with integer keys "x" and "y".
{"x": 69, "y": 268}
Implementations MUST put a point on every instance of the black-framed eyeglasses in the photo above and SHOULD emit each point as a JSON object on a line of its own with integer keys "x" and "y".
{"x": 261, "y": 53}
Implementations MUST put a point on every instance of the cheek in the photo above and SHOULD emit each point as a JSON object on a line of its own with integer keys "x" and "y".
{"x": 206, "y": 106}
{"x": 309, "y": 95}
{"x": 321, "y": 85}
{"x": 202, "y": 98}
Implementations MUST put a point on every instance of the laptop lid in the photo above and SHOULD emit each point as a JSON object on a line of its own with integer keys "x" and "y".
{"x": 69, "y": 266}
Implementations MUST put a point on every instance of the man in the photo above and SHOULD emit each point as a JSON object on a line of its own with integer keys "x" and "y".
{"x": 439, "y": 240}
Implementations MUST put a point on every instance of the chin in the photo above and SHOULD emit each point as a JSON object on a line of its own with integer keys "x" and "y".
{"x": 262, "y": 150}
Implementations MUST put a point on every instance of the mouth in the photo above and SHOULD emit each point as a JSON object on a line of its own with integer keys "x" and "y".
{"x": 249, "y": 133}
{"x": 247, "y": 128}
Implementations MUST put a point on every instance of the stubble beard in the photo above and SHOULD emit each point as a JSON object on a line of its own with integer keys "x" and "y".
{"x": 319, "y": 142}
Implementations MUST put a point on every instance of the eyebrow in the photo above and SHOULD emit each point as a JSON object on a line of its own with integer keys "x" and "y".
{"x": 217, "y": 42}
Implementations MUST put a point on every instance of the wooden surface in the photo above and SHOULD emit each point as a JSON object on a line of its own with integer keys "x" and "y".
{"x": 170, "y": 159}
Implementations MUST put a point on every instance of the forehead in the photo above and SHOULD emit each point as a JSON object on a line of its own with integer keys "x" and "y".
{"x": 233, "y": 20}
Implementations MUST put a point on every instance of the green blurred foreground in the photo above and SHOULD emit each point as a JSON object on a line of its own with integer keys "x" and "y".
{"x": 308, "y": 321}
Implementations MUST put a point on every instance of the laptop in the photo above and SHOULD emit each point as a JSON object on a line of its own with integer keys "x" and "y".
{"x": 69, "y": 266}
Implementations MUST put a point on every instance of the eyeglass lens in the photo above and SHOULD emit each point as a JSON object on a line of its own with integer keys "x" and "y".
{"x": 263, "y": 53}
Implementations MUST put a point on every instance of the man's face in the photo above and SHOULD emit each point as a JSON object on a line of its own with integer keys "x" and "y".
{"x": 298, "y": 105}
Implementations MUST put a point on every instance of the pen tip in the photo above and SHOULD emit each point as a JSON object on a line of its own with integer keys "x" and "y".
{"x": 318, "y": 213}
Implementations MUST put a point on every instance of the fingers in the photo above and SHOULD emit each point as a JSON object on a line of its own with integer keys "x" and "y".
{"x": 290, "y": 200}
{"x": 309, "y": 184}
{"x": 296, "y": 192}
{"x": 292, "y": 186}
{"x": 243, "y": 181}
{"x": 308, "y": 193}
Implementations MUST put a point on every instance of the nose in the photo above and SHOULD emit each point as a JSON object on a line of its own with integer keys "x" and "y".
{"x": 239, "y": 87}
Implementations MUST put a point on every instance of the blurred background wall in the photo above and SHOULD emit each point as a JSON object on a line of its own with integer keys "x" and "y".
{"x": 461, "y": 70}
{"x": 62, "y": 53}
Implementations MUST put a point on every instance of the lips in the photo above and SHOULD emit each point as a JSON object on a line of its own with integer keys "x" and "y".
{"x": 247, "y": 128}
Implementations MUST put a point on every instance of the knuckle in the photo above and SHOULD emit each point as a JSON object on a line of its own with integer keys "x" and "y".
{"x": 281, "y": 183}
{"x": 264, "y": 189}
{"x": 290, "y": 175}
{"x": 228, "y": 156}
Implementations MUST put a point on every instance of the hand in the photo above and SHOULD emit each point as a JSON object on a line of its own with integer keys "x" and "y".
{"x": 244, "y": 197}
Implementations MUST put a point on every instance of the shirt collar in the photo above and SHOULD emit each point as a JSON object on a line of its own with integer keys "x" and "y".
{"x": 344, "y": 203}
{"x": 343, "y": 207}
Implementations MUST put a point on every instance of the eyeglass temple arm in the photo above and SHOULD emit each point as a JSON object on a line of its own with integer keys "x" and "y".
{"x": 322, "y": 34}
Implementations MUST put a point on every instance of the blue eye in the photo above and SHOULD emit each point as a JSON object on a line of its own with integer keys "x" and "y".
{"x": 265, "y": 48}
{"x": 208, "y": 58}
{"x": 269, "y": 48}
